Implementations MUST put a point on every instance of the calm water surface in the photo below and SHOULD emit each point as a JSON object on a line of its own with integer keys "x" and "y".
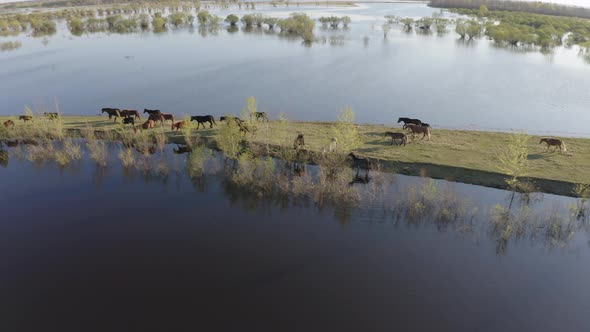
{"x": 100, "y": 249}
{"x": 439, "y": 79}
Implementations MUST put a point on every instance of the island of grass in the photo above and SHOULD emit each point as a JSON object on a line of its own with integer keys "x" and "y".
{"x": 456, "y": 155}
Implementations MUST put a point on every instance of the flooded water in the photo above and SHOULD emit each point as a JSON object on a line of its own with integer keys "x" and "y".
{"x": 438, "y": 79}
{"x": 96, "y": 249}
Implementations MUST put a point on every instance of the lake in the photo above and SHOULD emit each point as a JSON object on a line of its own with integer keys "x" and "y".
{"x": 439, "y": 79}
{"x": 106, "y": 248}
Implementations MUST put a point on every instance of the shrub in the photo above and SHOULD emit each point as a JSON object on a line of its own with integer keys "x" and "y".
{"x": 232, "y": 19}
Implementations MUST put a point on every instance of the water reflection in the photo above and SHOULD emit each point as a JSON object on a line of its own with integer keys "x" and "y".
{"x": 265, "y": 184}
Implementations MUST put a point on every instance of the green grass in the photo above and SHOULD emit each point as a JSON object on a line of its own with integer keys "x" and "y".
{"x": 455, "y": 155}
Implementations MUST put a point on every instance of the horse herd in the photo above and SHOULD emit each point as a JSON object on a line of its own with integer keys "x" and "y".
{"x": 154, "y": 116}
{"x": 414, "y": 126}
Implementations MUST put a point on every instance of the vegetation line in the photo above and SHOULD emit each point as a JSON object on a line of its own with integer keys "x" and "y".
{"x": 455, "y": 155}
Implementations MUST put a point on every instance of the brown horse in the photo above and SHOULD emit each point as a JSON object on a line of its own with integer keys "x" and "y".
{"x": 178, "y": 125}
{"x": 553, "y": 142}
{"x": 146, "y": 125}
{"x": 9, "y": 123}
{"x": 299, "y": 142}
{"x": 26, "y": 118}
{"x": 157, "y": 117}
{"x": 168, "y": 117}
{"x": 395, "y": 136}
{"x": 415, "y": 129}
{"x": 130, "y": 113}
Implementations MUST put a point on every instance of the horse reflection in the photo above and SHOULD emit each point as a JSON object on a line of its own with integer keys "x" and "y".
{"x": 360, "y": 179}
{"x": 182, "y": 149}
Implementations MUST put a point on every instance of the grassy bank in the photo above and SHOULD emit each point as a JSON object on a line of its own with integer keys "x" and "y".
{"x": 456, "y": 155}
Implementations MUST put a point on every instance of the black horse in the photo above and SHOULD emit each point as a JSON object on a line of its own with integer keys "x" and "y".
{"x": 424, "y": 124}
{"x": 128, "y": 121}
{"x": 201, "y": 119}
{"x": 408, "y": 121}
{"x": 360, "y": 163}
{"x": 150, "y": 112}
{"x": 51, "y": 116}
{"x": 225, "y": 118}
{"x": 112, "y": 112}
{"x": 261, "y": 115}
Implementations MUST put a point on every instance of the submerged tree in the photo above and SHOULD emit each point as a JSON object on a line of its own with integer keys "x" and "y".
{"x": 232, "y": 19}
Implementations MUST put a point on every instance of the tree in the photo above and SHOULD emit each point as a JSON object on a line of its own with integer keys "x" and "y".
{"x": 513, "y": 160}
{"x": 203, "y": 17}
{"x": 232, "y": 19}
{"x": 76, "y": 25}
{"x": 270, "y": 21}
{"x": 346, "y": 132}
{"x": 483, "y": 11}
{"x": 346, "y": 21}
{"x": 407, "y": 23}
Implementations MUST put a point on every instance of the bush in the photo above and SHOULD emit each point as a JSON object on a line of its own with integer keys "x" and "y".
{"x": 232, "y": 19}
{"x": 203, "y": 17}
{"x": 76, "y": 26}
{"x": 43, "y": 27}
{"x": 298, "y": 24}
{"x": 159, "y": 24}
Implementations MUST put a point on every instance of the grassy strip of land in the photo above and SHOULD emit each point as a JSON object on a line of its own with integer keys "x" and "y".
{"x": 456, "y": 155}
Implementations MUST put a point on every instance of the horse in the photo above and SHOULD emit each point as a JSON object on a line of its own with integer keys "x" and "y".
{"x": 168, "y": 117}
{"x": 9, "y": 123}
{"x": 148, "y": 124}
{"x": 178, "y": 125}
{"x": 128, "y": 121}
{"x": 112, "y": 112}
{"x": 157, "y": 117}
{"x": 415, "y": 129}
{"x": 299, "y": 142}
{"x": 360, "y": 163}
{"x": 554, "y": 142}
{"x": 261, "y": 115}
{"x": 26, "y": 118}
{"x": 130, "y": 113}
{"x": 145, "y": 110}
{"x": 424, "y": 124}
{"x": 332, "y": 146}
{"x": 409, "y": 121}
{"x": 201, "y": 119}
{"x": 395, "y": 136}
{"x": 51, "y": 116}
{"x": 225, "y": 118}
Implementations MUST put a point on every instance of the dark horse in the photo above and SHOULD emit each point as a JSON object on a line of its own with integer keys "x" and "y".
{"x": 201, "y": 119}
{"x": 182, "y": 149}
{"x": 51, "y": 116}
{"x": 261, "y": 115}
{"x": 128, "y": 121}
{"x": 157, "y": 117}
{"x": 26, "y": 118}
{"x": 410, "y": 121}
{"x": 112, "y": 112}
{"x": 168, "y": 117}
{"x": 150, "y": 112}
{"x": 360, "y": 163}
{"x": 130, "y": 113}
{"x": 299, "y": 142}
{"x": 225, "y": 118}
